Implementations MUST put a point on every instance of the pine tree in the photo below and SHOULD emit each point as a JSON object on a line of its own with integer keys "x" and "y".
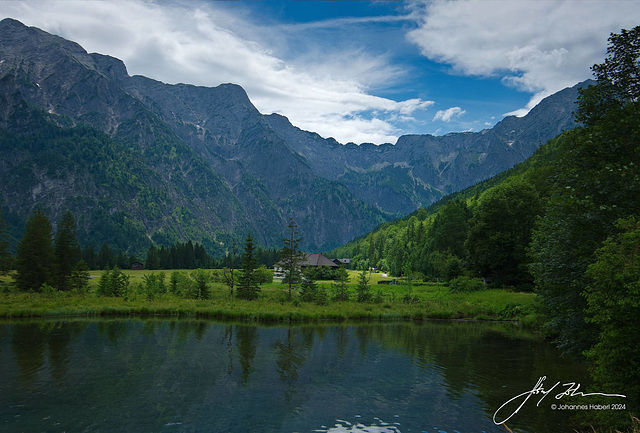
{"x": 66, "y": 250}
{"x": 291, "y": 257}
{"x": 248, "y": 282}
{"x": 35, "y": 258}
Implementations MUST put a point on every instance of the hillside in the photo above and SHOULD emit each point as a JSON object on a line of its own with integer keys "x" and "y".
{"x": 179, "y": 162}
{"x": 414, "y": 238}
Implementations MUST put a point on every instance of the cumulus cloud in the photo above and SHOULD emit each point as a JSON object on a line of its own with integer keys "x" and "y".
{"x": 536, "y": 46}
{"x": 202, "y": 44}
{"x": 449, "y": 114}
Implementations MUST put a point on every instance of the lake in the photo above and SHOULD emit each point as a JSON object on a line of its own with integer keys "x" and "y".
{"x": 202, "y": 376}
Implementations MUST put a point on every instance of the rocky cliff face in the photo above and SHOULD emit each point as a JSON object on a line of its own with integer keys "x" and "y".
{"x": 420, "y": 169}
{"x": 180, "y": 162}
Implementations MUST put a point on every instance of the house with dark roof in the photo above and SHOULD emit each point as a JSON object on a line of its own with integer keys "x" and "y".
{"x": 311, "y": 260}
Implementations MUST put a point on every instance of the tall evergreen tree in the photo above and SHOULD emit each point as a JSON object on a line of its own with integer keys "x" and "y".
{"x": 153, "y": 258}
{"x": 308, "y": 287}
{"x": 248, "y": 282}
{"x": 364, "y": 288}
{"x": 106, "y": 257}
{"x": 5, "y": 256}
{"x": 291, "y": 257}
{"x": 66, "y": 250}
{"x": 35, "y": 259}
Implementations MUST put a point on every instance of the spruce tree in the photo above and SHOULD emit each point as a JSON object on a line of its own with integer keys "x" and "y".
{"x": 35, "y": 259}
{"x": 291, "y": 257}
{"x": 248, "y": 282}
{"x": 308, "y": 287}
{"x": 364, "y": 289}
{"x": 5, "y": 256}
{"x": 342, "y": 278}
{"x": 66, "y": 250}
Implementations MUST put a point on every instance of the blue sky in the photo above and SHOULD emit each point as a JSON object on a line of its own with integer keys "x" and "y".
{"x": 353, "y": 70}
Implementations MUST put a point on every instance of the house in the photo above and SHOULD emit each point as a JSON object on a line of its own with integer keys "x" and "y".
{"x": 311, "y": 260}
{"x": 136, "y": 266}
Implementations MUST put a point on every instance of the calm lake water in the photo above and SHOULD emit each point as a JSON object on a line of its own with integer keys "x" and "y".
{"x": 201, "y": 376}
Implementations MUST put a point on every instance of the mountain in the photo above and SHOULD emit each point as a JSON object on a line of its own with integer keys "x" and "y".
{"x": 420, "y": 169}
{"x": 140, "y": 162}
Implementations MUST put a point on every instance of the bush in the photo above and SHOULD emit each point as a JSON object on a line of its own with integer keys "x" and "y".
{"x": 264, "y": 275}
{"x": 113, "y": 283}
{"x": 154, "y": 285}
{"x": 466, "y": 284}
{"x": 200, "y": 287}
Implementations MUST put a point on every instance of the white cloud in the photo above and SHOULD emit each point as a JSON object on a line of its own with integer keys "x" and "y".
{"x": 535, "y": 46}
{"x": 197, "y": 43}
{"x": 449, "y": 114}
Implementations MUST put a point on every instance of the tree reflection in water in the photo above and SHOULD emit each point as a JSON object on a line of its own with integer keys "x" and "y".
{"x": 143, "y": 375}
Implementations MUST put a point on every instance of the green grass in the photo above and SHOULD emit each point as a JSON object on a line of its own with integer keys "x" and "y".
{"x": 434, "y": 302}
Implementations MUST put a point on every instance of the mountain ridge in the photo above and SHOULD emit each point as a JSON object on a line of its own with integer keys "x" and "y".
{"x": 215, "y": 163}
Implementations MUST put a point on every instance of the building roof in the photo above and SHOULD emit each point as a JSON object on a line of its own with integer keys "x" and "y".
{"x": 317, "y": 259}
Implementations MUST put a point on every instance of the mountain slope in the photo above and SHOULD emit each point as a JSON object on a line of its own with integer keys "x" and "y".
{"x": 202, "y": 164}
{"x": 420, "y": 169}
{"x": 259, "y": 181}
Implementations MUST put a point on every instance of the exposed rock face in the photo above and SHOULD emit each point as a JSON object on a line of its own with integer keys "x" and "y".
{"x": 180, "y": 162}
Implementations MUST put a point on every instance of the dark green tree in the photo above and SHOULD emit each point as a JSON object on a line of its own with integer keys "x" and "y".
{"x": 308, "y": 286}
{"x": 613, "y": 304}
{"x": 6, "y": 260}
{"x": 342, "y": 279}
{"x": 618, "y": 79}
{"x": 364, "y": 288}
{"x": 106, "y": 258}
{"x": 501, "y": 231}
{"x": 153, "y": 258}
{"x": 201, "y": 288}
{"x": 248, "y": 282}
{"x": 66, "y": 250}
{"x": 450, "y": 228}
{"x": 35, "y": 258}
{"x": 79, "y": 278}
{"x": 597, "y": 182}
{"x": 291, "y": 257}
{"x": 113, "y": 283}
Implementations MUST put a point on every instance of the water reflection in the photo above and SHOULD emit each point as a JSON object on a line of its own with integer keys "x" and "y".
{"x": 247, "y": 344}
{"x": 29, "y": 343}
{"x": 179, "y": 375}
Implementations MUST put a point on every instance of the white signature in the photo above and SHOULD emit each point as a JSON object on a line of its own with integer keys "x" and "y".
{"x": 571, "y": 391}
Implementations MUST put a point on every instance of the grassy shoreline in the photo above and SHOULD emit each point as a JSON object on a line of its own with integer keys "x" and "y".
{"x": 434, "y": 302}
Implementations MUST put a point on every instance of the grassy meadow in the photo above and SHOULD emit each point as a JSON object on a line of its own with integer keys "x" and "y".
{"x": 392, "y": 302}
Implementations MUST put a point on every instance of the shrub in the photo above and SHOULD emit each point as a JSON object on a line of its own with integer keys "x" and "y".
{"x": 466, "y": 284}
{"x": 113, "y": 283}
